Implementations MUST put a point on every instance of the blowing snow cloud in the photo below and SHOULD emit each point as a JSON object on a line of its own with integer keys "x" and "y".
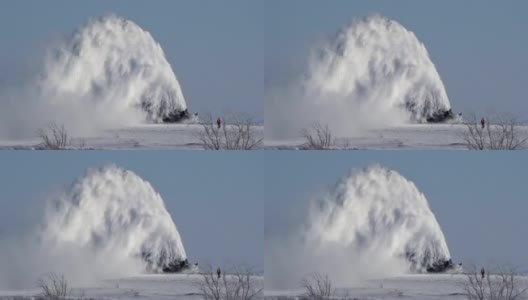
{"x": 109, "y": 222}
{"x": 108, "y": 73}
{"x": 113, "y": 62}
{"x": 373, "y": 222}
{"x": 372, "y": 73}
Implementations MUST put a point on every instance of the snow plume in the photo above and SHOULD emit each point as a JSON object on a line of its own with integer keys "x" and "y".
{"x": 109, "y": 73}
{"x": 372, "y": 223}
{"x": 373, "y": 73}
{"x": 109, "y": 222}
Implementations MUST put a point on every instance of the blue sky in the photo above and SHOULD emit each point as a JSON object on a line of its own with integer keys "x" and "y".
{"x": 479, "y": 47}
{"x": 215, "y": 199}
{"x": 479, "y": 198}
{"x": 215, "y": 49}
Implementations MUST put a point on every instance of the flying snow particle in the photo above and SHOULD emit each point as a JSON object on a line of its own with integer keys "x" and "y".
{"x": 378, "y": 211}
{"x": 373, "y": 73}
{"x": 114, "y": 64}
{"x": 114, "y": 215}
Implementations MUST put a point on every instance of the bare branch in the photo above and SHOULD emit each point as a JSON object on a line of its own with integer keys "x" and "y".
{"x": 54, "y": 286}
{"x": 54, "y": 137}
{"x": 502, "y": 285}
{"x": 318, "y": 137}
{"x": 238, "y": 285}
{"x": 318, "y": 286}
{"x": 496, "y": 132}
{"x": 233, "y": 133}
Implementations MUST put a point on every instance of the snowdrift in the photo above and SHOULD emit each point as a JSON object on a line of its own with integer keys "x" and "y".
{"x": 113, "y": 63}
{"x": 115, "y": 216}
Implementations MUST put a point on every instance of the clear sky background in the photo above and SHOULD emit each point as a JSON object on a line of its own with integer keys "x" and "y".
{"x": 215, "y": 199}
{"x": 478, "y": 198}
{"x": 478, "y": 47}
{"x": 215, "y": 48}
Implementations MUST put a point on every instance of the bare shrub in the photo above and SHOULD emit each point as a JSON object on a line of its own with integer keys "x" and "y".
{"x": 500, "y": 132}
{"x": 318, "y": 137}
{"x": 235, "y": 133}
{"x": 210, "y": 136}
{"x": 238, "y": 283}
{"x": 504, "y": 284}
{"x": 54, "y": 286}
{"x": 318, "y": 286}
{"x": 54, "y": 137}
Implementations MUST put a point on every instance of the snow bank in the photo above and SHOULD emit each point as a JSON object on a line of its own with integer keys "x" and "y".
{"x": 372, "y": 223}
{"x": 373, "y": 73}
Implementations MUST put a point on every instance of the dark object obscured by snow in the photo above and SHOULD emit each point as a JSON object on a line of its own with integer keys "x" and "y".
{"x": 166, "y": 262}
{"x": 177, "y": 266}
{"x": 429, "y": 263}
{"x": 177, "y": 116}
{"x": 441, "y": 266}
{"x": 441, "y": 116}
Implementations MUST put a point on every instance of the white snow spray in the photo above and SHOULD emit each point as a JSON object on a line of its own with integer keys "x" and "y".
{"x": 109, "y": 73}
{"x": 373, "y": 73}
{"x": 108, "y": 223}
{"x": 373, "y": 223}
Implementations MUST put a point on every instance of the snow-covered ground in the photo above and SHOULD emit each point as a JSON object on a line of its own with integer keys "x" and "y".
{"x": 141, "y": 137}
{"x": 407, "y": 137}
{"x": 152, "y": 287}
{"x": 419, "y": 287}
